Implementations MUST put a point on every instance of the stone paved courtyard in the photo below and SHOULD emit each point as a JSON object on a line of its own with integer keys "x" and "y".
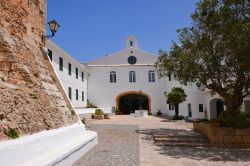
{"x": 118, "y": 146}
{"x": 121, "y": 143}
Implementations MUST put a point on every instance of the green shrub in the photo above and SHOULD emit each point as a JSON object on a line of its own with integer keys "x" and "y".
{"x": 178, "y": 118}
{"x": 150, "y": 113}
{"x": 12, "y": 133}
{"x": 106, "y": 116}
{"x": 204, "y": 120}
{"x": 117, "y": 111}
{"x": 98, "y": 112}
{"x": 113, "y": 109}
{"x": 90, "y": 105}
{"x": 159, "y": 113}
{"x": 214, "y": 121}
{"x": 236, "y": 119}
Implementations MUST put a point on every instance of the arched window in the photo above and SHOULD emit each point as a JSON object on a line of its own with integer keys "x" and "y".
{"x": 151, "y": 76}
{"x": 131, "y": 43}
{"x": 112, "y": 77}
{"x": 132, "y": 76}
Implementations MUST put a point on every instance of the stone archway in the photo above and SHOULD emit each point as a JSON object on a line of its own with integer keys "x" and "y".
{"x": 216, "y": 107}
{"x": 131, "y": 100}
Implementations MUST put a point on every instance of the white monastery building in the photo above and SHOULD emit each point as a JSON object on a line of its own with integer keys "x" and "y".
{"x": 127, "y": 80}
{"x": 72, "y": 74}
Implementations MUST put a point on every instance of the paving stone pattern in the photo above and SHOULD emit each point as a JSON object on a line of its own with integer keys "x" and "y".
{"x": 118, "y": 146}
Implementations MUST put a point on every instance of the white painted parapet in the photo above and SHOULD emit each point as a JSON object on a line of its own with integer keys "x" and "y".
{"x": 61, "y": 146}
{"x": 91, "y": 110}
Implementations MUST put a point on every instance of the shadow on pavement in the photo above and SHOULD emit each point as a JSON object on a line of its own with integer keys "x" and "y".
{"x": 195, "y": 152}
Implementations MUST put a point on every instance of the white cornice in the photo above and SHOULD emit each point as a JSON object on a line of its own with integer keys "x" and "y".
{"x": 120, "y": 65}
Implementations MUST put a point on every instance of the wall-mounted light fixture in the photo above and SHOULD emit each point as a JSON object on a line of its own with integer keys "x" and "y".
{"x": 53, "y": 26}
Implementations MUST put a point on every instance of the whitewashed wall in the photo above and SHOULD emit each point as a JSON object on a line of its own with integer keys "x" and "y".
{"x": 70, "y": 80}
{"x": 102, "y": 93}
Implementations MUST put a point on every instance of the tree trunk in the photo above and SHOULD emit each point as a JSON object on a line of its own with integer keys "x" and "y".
{"x": 176, "y": 108}
{"x": 233, "y": 104}
{"x": 232, "y": 101}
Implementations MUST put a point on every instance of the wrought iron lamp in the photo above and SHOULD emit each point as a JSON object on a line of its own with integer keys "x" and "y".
{"x": 53, "y": 26}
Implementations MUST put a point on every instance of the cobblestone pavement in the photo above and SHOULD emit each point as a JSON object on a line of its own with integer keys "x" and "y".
{"x": 118, "y": 145}
{"x": 114, "y": 132}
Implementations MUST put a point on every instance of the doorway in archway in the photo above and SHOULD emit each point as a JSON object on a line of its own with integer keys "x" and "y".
{"x": 216, "y": 107}
{"x": 219, "y": 107}
{"x": 128, "y": 102}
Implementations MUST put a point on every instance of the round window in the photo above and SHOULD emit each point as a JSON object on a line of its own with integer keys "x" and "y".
{"x": 132, "y": 60}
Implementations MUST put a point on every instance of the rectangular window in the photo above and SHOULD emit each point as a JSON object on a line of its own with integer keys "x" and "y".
{"x": 112, "y": 77}
{"x": 76, "y": 94}
{"x": 82, "y": 76}
{"x": 189, "y": 110}
{"x": 50, "y": 54}
{"x": 60, "y": 64}
{"x": 171, "y": 106}
{"x": 132, "y": 76}
{"x": 69, "y": 70}
{"x": 151, "y": 76}
{"x": 76, "y": 73}
{"x": 200, "y": 107}
{"x": 70, "y": 93}
{"x": 82, "y": 95}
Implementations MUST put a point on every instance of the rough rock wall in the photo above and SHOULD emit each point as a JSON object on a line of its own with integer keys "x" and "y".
{"x": 31, "y": 98}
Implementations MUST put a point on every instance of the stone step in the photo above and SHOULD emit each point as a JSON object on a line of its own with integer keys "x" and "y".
{"x": 183, "y": 144}
{"x": 179, "y": 139}
{"x": 178, "y": 136}
{"x": 192, "y": 139}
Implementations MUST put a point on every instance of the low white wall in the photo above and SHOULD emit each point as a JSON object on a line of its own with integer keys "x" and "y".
{"x": 92, "y": 110}
{"x": 48, "y": 147}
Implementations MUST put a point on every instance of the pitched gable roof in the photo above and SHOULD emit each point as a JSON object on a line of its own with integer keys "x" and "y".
{"x": 121, "y": 58}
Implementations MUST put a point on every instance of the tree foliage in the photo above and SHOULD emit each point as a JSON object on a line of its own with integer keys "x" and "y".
{"x": 215, "y": 51}
{"x": 176, "y": 96}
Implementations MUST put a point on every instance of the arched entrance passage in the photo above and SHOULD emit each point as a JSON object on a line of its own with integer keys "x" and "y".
{"x": 216, "y": 107}
{"x": 130, "y": 101}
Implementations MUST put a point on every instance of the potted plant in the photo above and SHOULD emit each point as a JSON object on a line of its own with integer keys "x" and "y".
{"x": 106, "y": 116}
{"x": 98, "y": 114}
{"x": 159, "y": 113}
{"x": 117, "y": 111}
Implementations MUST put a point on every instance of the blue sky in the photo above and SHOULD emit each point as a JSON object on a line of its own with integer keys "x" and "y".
{"x": 93, "y": 28}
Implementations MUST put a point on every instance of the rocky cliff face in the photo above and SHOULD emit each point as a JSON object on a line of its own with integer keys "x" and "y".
{"x": 31, "y": 98}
